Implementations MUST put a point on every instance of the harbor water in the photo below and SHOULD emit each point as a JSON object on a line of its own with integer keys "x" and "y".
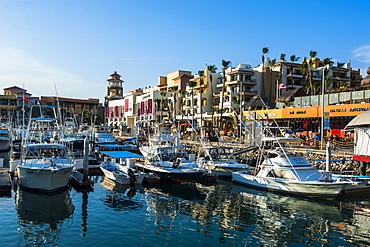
{"x": 180, "y": 215}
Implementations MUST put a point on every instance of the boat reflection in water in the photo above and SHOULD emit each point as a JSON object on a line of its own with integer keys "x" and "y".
{"x": 120, "y": 196}
{"x": 240, "y": 216}
{"x": 41, "y": 216}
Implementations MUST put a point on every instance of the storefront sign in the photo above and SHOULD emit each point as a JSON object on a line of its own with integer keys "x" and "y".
{"x": 301, "y": 112}
{"x": 347, "y": 110}
{"x": 326, "y": 121}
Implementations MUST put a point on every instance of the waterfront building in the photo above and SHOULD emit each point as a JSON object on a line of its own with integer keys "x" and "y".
{"x": 293, "y": 75}
{"x": 13, "y": 103}
{"x": 123, "y": 112}
{"x": 88, "y": 111}
{"x": 155, "y": 106}
{"x": 282, "y": 82}
{"x": 305, "y": 112}
{"x": 199, "y": 101}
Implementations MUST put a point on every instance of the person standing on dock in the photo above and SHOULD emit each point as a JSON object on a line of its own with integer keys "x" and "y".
{"x": 316, "y": 140}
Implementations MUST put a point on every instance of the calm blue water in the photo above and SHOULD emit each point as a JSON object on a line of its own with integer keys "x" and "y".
{"x": 178, "y": 215}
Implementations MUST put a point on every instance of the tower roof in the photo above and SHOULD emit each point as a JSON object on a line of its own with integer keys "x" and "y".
{"x": 115, "y": 74}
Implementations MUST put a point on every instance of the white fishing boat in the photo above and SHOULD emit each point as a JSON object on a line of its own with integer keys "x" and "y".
{"x": 287, "y": 172}
{"x": 163, "y": 137}
{"x": 172, "y": 163}
{"x": 119, "y": 166}
{"x": 219, "y": 160}
{"x": 45, "y": 163}
{"x": 45, "y": 167}
{"x": 167, "y": 158}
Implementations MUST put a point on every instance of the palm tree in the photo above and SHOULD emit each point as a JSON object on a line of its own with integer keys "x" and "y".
{"x": 282, "y": 60}
{"x": 271, "y": 65}
{"x": 182, "y": 94}
{"x": 212, "y": 68}
{"x": 192, "y": 85}
{"x": 167, "y": 103}
{"x": 293, "y": 58}
{"x": 343, "y": 84}
{"x": 265, "y": 50}
{"x": 327, "y": 61}
{"x": 163, "y": 94}
{"x": 327, "y": 81}
{"x": 339, "y": 66}
{"x": 304, "y": 69}
{"x": 225, "y": 65}
{"x": 316, "y": 87}
{"x": 157, "y": 102}
{"x": 311, "y": 62}
{"x": 174, "y": 89}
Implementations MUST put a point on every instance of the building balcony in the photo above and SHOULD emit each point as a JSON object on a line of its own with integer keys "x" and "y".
{"x": 252, "y": 82}
{"x": 220, "y": 94}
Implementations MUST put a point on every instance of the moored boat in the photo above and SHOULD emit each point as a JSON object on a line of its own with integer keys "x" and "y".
{"x": 172, "y": 163}
{"x": 289, "y": 173}
{"x": 45, "y": 167}
{"x": 45, "y": 163}
{"x": 119, "y": 166}
{"x": 219, "y": 160}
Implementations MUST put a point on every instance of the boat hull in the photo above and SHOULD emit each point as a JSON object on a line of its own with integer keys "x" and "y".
{"x": 327, "y": 190}
{"x": 43, "y": 179}
{"x": 224, "y": 172}
{"x": 121, "y": 177}
{"x": 175, "y": 175}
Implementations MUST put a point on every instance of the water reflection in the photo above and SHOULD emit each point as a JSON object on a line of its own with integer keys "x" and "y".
{"x": 119, "y": 196}
{"x": 232, "y": 213}
{"x": 41, "y": 217}
{"x": 361, "y": 221}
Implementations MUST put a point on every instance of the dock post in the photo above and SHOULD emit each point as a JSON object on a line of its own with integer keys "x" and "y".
{"x": 363, "y": 168}
{"x": 86, "y": 159}
{"x": 328, "y": 156}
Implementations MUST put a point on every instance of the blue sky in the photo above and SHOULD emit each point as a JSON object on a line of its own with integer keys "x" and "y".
{"x": 75, "y": 45}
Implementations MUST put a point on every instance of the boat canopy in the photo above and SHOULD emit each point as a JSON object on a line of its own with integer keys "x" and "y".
{"x": 112, "y": 145}
{"x": 45, "y": 145}
{"x": 121, "y": 154}
{"x": 130, "y": 140}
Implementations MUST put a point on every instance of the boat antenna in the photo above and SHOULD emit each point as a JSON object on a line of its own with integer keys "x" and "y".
{"x": 23, "y": 109}
{"x": 58, "y": 106}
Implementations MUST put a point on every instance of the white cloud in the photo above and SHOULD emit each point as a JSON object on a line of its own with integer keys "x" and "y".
{"x": 17, "y": 68}
{"x": 362, "y": 53}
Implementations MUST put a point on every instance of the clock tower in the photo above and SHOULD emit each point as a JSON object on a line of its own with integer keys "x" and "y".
{"x": 114, "y": 88}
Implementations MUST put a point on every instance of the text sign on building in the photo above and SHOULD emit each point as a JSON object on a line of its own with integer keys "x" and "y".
{"x": 326, "y": 121}
{"x": 127, "y": 105}
{"x": 150, "y": 103}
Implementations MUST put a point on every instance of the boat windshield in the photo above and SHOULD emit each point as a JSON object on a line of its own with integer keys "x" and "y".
{"x": 169, "y": 154}
{"x": 221, "y": 154}
{"x": 45, "y": 152}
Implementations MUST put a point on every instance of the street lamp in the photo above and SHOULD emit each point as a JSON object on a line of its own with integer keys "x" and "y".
{"x": 240, "y": 111}
{"x": 322, "y": 103}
